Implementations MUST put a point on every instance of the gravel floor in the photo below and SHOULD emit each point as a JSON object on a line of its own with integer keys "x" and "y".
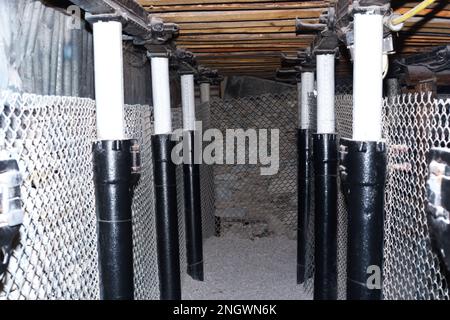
{"x": 238, "y": 269}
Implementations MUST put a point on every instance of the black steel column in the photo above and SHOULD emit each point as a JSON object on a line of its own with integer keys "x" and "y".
{"x": 114, "y": 179}
{"x": 304, "y": 149}
{"x": 325, "y": 219}
{"x": 166, "y": 218}
{"x": 192, "y": 208}
{"x": 363, "y": 175}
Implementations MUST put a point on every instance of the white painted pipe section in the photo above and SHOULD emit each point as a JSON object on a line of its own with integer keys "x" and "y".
{"x": 108, "y": 64}
{"x": 325, "y": 94}
{"x": 161, "y": 95}
{"x": 188, "y": 101}
{"x": 205, "y": 92}
{"x": 306, "y": 87}
{"x": 367, "y": 77}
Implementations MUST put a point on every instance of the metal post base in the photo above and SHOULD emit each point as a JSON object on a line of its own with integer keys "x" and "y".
{"x": 114, "y": 179}
{"x": 363, "y": 175}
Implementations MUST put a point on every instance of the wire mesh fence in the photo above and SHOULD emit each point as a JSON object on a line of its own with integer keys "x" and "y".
{"x": 203, "y": 114}
{"x": 177, "y": 120}
{"x": 413, "y": 124}
{"x": 309, "y": 258}
{"x": 138, "y": 125}
{"x": 249, "y": 204}
{"x": 344, "y": 117}
{"x": 55, "y": 256}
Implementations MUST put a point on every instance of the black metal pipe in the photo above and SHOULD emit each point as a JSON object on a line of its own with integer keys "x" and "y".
{"x": 192, "y": 208}
{"x": 114, "y": 179}
{"x": 325, "y": 219}
{"x": 166, "y": 218}
{"x": 304, "y": 149}
{"x": 363, "y": 172}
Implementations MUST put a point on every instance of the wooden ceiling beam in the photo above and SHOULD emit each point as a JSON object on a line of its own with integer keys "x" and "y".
{"x": 237, "y": 6}
{"x": 194, "y": 2}
{"x": 248, "y": 36}
{"x": 240, "y": 24}
{"x": 246, "y": 15}
{"x": 244, "y": 37}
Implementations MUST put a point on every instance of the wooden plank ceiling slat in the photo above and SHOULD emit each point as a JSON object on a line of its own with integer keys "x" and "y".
{"x": 248, "y": 36}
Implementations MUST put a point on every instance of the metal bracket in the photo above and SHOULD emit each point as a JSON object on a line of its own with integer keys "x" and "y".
{"x": 293, "y": 66}
{"x": 183, "y": 61}
{"x": 144, "y": 29}
{"x": 207, "y": 75}
{"x": 388, "y": 44}
{"x": 136, "y": 167}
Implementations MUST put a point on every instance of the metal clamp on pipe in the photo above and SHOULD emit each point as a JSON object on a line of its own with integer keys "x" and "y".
{"x": 207, "y": 75}
{"x": 137, "y": 23}
{"x": 438, "y": 202}
{"x": 116, "y": 171}
{"x": 11, "y": 215}
{"x": 363, "y": 175}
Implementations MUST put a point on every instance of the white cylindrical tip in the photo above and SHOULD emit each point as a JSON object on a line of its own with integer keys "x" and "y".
{"x": 325, "y": 94}
{"x": 205, "y": 92}
{"x": 108, "y": 64}
{"x": 367, "y": 77}
{"x": 306, "y": 87}
{"x": 161, "y": 95}
{"x": 188, "y": 101}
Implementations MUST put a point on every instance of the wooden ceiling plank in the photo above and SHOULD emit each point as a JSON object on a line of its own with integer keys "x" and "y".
{"x": 250, "y": 30}
{"x": 237, "y": 6}
{"x": 193, "y": 2}
{"x": 243, "y": 36}
{"x": 248, "y": 15}
{"x": 240, "y": 24}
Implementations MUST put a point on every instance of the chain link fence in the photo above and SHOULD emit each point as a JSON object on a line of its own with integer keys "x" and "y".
{"x": 177, "y": 122}
{"x": 55, "y": 256}
{"x": 249, "y": 204}
{"x": 413, "y": 124}
{"x": 139, "y": 125}
{"x": 344, "y": 120}
{"x": 203, "y": 114}
{"x": 308, "y": 285}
